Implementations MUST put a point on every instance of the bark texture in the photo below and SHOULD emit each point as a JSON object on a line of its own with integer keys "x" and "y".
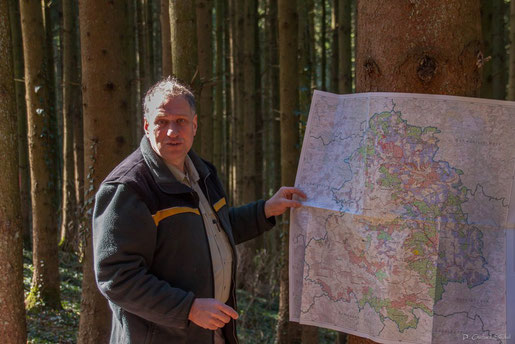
{"x": 166, "y": 44}
{"x": 71, "y": 105}
{"x": 289, "y": 100}
{"x": 23, "y": 154}
{"x": 436, "y": 50}
{"x": 45, "y": 281}
{"x": 106, "y": 89}
{"x": 12, "y": 311}
{"x": 205, "y": 67}
{"x": 344, "y": 46}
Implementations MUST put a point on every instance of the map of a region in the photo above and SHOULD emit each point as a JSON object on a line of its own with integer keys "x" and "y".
{"x": 407, "y": 232}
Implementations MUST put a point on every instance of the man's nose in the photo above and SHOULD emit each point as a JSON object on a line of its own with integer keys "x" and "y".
{"x": 172, "y": 130}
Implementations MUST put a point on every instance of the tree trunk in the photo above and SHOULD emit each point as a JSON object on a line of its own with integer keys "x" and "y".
{"x": 219, "y": 87}
{"x": 105, "y": 39}
{"x": 423, "y": 56}
{"x": 70, "y": 107}
{"x": 498, "y": 51}
{"x": 45, "y": 281}
{"x": 288, "y": 81}
{"x": 486, "y": 7}
{"x": 511, "y": 91}
{"x": 166, "y": 44}
{"x": 323, "y": 46}
{"x": 205, "y": 68}
{"x": 183, "y": 33}
{"x": 23, "y": 154}
{"x": 334, "y": 46}
{"x": 13, "y": 328}
{"x": 344, "y": 47}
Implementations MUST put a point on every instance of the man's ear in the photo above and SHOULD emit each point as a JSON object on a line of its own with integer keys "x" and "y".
{"x": 195, "y": 125}
{"x": 145, "y": 126}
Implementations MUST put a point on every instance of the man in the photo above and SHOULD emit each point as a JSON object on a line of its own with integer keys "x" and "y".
{"x": 164, "y": 238}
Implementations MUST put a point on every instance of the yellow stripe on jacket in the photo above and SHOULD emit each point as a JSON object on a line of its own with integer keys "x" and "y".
{"x": 218, "y": 205}
{"x": 162, "y": 214}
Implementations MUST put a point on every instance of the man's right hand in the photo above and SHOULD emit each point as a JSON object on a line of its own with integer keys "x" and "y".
{"x": 211, "y": 313}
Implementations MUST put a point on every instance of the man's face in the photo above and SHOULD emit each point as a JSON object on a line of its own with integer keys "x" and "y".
{"x": 171, "y": 128}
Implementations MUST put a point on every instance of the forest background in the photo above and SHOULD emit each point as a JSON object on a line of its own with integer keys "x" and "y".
{"x": 72, "y": 76}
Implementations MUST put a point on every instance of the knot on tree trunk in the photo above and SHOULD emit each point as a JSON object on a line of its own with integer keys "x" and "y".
{"x": 426, "y": 69}
{"x": 371, "y": 68}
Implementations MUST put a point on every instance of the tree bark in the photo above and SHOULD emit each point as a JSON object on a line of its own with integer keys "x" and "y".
{"x": 183, "y": 33}
{"x": 45, "y": 282}
{"x": 106, "y": 85}
{"x": 166, "y": 44}
{"x": 498, "y": 51}
{"x": 219, "y": 87}
{"x": 334, "y": 46}
{"x": 486, "y": 7}
{"x": 420, "y": 56}
{"x": 13, "y": 328}
{"x": 71, "y": 106}
{"x": 289, "y": 100}
{"x": 344, "y": 47}
{"x": 23, "y": 154}
{"x": 323, "y": 49}
{"x": 205, "y": 67}
{"x": 511, "y": 90}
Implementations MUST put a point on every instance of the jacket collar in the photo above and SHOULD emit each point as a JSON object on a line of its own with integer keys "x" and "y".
{"x": 162, "y": 174}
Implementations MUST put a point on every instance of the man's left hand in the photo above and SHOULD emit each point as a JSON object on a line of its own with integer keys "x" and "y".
{"x": 282, "y": 200}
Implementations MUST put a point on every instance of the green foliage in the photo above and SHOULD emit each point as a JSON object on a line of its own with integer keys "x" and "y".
{"x": 55, "y": 326}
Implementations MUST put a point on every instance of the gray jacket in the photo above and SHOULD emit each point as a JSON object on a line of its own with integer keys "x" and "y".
{"x": 151, "y": 252}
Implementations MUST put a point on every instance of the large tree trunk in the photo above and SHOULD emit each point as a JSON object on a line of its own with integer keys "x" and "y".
{"x": 511, "y": 90}
{"x": 45, "y": 281}
{"x": 23, "y": 154}
{"x": 205, "y": 68}
{"x": 71, "y": 105}
{"x": 12, "y": 311}
{"x": 344, "y": 46}
{"x": 107, "y": 132}
{"x": 166, "y": 44}
{"x": 288, "y": 81}
{"x": 420, "y": 56}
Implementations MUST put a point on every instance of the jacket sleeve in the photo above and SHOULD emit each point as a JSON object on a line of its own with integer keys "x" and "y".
{"x": 124, "y": 239}
{"x": 249, "y": 221}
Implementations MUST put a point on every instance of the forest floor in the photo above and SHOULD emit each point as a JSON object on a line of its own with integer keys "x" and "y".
{"x": 258, "y": 315}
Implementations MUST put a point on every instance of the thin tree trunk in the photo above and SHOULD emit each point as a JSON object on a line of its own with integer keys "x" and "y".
{"x": 105, "y": 39}
{"x": 166, "y": 44}
{"x": 70, "y": 107}
{"x": 486, "y": 7}
{"x": 335, "y": 51}
{"x": 511, "y": 91}
{"x": 23, "y": 154}
{"x": 45, "y": 281}
{"x": 323, "y": 33}
{"x": 219, "y": 88}
{"x": 344, "y": 47}
{"x": 288, "y": 76}
{"x": 13, "y": 328}
{"x": 205, "y": 68}
{"x": 183, "y": 32}
{"x": 498, "y": 51}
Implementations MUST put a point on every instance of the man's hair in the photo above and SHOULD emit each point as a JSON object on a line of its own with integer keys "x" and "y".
{"x": 166, "y": 89}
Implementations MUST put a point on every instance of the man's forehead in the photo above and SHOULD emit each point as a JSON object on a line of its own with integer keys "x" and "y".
{"x": 174, "y": 104}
